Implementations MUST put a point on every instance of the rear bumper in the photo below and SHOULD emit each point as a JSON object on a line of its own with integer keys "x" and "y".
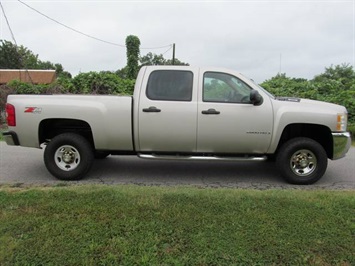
{"x": 11, "y": 138}
{"x": 341, "y": 144}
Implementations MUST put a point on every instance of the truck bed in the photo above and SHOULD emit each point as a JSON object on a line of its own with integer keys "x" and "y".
{"x": 109, "y": 117}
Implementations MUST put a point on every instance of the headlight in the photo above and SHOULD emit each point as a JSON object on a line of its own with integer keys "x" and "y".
{"x": 342, "y": 120}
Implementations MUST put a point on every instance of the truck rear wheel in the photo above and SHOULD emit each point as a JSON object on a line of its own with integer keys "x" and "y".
{"x": 302, "y": 161}
{"x": 68, "y": 156}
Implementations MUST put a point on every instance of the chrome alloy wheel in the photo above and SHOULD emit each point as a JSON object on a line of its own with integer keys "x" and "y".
{"x": 67, "y": 158}
{"x": 303, "y": 162}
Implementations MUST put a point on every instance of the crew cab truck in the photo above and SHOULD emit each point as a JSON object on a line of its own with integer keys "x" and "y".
{"x": 181, "y": 113}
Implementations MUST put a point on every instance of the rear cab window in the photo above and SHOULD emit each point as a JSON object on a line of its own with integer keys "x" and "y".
{"x": 170, "y": 85}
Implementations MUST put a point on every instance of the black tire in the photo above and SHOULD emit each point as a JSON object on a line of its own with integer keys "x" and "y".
{"x": 302, "y": 161}
{"x": 68, "y": 156}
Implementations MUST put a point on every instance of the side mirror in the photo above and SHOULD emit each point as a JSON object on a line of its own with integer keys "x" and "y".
{"x": 256, "y": 98}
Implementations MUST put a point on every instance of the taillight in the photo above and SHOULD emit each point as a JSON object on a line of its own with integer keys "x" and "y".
{"x": 10, "y": 115}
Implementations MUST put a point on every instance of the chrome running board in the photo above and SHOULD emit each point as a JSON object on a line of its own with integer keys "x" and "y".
{"x": 201, "y": 158}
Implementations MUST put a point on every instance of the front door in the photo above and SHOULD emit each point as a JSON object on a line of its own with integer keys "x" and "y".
{"x": 227, "y": 121}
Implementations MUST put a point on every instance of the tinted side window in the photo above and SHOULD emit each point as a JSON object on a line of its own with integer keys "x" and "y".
{"x": 222, "y": 87}
{"x": 170, "y": 85}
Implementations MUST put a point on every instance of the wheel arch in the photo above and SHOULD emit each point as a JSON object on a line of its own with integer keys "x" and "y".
{"x": 50, "y": 128}
{"x": 318, "y": 133}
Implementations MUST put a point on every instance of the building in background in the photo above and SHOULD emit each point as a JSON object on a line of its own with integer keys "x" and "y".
{"x": 34, "y": 76}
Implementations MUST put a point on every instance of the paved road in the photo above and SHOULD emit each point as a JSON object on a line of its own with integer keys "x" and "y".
{"x": 25, "y": 165}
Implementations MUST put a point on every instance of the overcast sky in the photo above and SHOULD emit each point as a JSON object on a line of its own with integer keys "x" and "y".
{"x": 256, "y": 38}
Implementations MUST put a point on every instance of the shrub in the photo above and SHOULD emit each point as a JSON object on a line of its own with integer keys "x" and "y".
{"x": 101, "y": 83}
{"x": 323, "y": 88}
{"x": 20, "y": 87}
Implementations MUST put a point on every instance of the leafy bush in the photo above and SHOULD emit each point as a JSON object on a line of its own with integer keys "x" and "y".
{"x": 24, "y": 88}
{"x": 335, "y": 85}
{"x": 101, "y": 83}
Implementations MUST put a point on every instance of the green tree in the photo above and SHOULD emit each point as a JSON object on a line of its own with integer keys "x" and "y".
{"x": 335, "y": 85}
{"x": 104, "y": 82}
{"x": 29, "y": 60}
{"x": 9, "y": 56}
{"x": 122, "y": 73}
{"x": 59, "y": 70}
{"x": 18, "y": 57}
{"x": 151, "y": 59}
{"x": 281, "y": 85}
{"x": 177, "y": 62}
{"x": 132, "y": 44}
{"x": 344, "y": 74}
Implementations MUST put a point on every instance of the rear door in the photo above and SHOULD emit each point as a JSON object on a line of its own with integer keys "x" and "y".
{"x": 167, "y": 112}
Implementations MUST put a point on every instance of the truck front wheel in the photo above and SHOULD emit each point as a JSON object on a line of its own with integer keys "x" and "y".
{"x": 68, "y": 156}
{"x": 302, "y": 161}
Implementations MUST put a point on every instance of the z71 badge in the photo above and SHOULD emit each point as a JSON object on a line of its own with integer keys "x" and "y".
{"x": 33, "y": 110}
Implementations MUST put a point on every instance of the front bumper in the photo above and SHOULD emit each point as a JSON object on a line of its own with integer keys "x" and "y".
{"x": 11, "y": 138}
{"x": 341, "y": 144}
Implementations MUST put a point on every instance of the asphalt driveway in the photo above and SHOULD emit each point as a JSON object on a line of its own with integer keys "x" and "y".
{"x": 20, "y": 165}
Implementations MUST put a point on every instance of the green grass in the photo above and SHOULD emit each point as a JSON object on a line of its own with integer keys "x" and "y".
{"x": 132, "y": 225}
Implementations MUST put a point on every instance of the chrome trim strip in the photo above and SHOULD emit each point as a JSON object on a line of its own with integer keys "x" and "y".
{"x": 199, "y": 158}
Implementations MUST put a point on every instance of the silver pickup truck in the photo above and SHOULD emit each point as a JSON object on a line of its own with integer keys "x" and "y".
{"x": 181, "y": 113}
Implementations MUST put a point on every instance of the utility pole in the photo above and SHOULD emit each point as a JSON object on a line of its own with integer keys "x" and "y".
{"x": 173, "y": 62}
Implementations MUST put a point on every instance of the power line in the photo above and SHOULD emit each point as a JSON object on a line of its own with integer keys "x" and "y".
{"x": 171, "y": 47}
{"x": 85, "y": 34}
{"x": 8, "y": 24}
{"x": 16, "y": 46}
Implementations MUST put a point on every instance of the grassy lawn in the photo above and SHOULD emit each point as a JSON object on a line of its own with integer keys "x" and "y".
{"x": 134, "y": 225}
